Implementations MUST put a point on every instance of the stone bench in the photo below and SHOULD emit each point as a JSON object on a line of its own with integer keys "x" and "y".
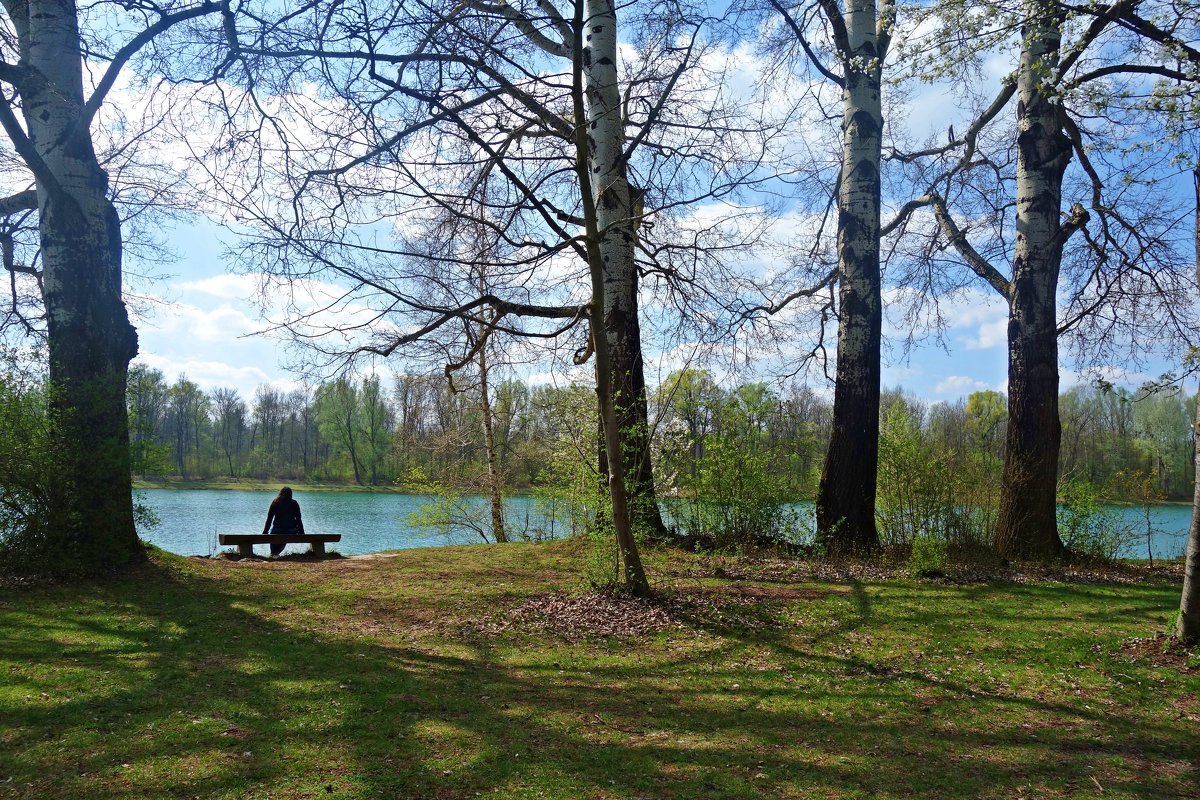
{"x": 245, "y": 541}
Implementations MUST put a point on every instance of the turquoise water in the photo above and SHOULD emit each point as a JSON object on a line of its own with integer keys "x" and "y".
{"x": 1170, "y": 529}
{"x": 190, "y": 520}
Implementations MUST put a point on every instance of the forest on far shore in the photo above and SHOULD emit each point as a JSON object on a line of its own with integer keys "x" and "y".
{"x": 413, "y": 431}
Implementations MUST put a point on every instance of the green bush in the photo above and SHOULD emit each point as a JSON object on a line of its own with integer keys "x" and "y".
{"x": 452, "y": 510}
{"x": 30, "y": 490}
{"x": 737, "y": 500}
{"x": 1086, "y": 527}
{"x": 601, "y": 556}
{"x": 921, "y": 493}
{"x": 928, "y": 556}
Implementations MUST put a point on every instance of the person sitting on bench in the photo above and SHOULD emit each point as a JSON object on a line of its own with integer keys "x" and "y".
{"x": 285, "y": 514}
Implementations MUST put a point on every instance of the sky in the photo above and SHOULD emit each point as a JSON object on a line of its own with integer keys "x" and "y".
{"x": 206, "y": 324}
{"x": 209, "y": 327}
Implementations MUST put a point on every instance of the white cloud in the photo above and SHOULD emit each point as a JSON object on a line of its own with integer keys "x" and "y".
{"x": 973, "y": 307}
{"x": 242, "y": 287}
{"x": 977, "y": 319}
{"x": 957, "y": 385}
{"x": 213, "y": 374}
{"x": 989, "y": 335}
{"x": 188, "y": 323}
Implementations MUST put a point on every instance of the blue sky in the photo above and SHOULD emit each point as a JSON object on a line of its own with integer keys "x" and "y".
{"x": 207, "y": 324}
{"x": 209, "y": 327}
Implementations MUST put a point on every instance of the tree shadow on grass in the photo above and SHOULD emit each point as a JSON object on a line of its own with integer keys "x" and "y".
{"x": 178, "y": 685}
{"x": 1039, "y": 739}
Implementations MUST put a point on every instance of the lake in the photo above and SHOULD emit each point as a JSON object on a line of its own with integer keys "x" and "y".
{"x": 190, "y": 519}
{"x": 369, "y": 522}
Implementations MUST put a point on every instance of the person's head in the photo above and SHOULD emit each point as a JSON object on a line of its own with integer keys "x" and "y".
{"x": 285, "y": 493}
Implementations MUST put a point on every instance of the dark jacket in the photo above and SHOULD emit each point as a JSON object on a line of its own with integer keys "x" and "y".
{"x": 286, "y": 516}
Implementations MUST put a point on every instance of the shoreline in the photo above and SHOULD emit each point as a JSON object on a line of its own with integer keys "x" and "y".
{"x": 273, "y": 486}
{"x": 264, "y": 486}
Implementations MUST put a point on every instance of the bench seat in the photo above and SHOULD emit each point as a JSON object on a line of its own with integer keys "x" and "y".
{"x": 245, "y": 541}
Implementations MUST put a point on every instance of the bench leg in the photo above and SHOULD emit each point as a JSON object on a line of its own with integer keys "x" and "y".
{"x": 318, "y": 548}
{"x": 245, "y": 550}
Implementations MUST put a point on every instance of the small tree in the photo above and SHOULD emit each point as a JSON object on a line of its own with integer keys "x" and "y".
{"x": 1187, "y": 629}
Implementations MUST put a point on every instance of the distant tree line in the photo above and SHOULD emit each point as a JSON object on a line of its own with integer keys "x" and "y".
{"x": 376, "y": 431}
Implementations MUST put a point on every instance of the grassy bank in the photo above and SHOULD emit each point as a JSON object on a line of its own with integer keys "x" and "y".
{"x": 464, "y": 672}
{"x": 265, "y": 486}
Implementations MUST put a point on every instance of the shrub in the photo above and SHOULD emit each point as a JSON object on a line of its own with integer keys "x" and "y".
{"x": 738, "y": 500}
{"x": 928, "y": 556}
{"x": 1086, "y": 527}
{"x": 31, "y": 504}
{"x": 921, "y": 493}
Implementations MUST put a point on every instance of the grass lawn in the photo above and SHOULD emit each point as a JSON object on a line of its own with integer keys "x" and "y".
{"x": 425, "y": 674}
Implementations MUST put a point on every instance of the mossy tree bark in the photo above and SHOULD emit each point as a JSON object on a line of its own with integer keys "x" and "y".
{"x": 90, "y": 339}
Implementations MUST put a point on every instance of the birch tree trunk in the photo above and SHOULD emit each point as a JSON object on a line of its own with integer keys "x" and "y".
{"x": 624, "y": 334}
{"x": 846, "y": 496}
{"x": 91, "y": 341}
{"x": 605, "y": 190}
{"x": 617, "y": 221}
{"x": 1187, "y": 629}
{"x": 1027, "y": 526}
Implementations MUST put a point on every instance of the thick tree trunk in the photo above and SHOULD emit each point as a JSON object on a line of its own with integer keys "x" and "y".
{"x": 846, "y": 496}
{"x": 1027, "y": 526}
{"x": 1187, "y": 629}
{"x": 90, "y": 339}
{"x": 489, "y": 444}
{"x": 610, "y": 251}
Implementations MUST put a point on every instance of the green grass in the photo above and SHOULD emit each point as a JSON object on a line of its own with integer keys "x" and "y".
{"x": 362, "y": 678}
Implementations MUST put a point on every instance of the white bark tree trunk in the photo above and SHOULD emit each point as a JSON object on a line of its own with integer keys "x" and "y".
{"x": 1027, "y": 524}
{"x": 90, "y": 339}
{"x": 610, "y": 243}
{"x": 616, "y": 219}
{"x": 1187, "y": 629}
{"x": 846, "y": 496}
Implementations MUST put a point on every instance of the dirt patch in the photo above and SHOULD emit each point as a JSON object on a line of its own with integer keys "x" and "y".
{"x": 598, "y": 614}
{"x": 607, "y": 614}
{"x": 390, "y": 614}
{"x": 1161, "y": 650}
{"x": 286, "y": 558}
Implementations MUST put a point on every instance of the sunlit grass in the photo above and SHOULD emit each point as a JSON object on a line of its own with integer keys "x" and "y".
{"x": 362, "y": 678}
